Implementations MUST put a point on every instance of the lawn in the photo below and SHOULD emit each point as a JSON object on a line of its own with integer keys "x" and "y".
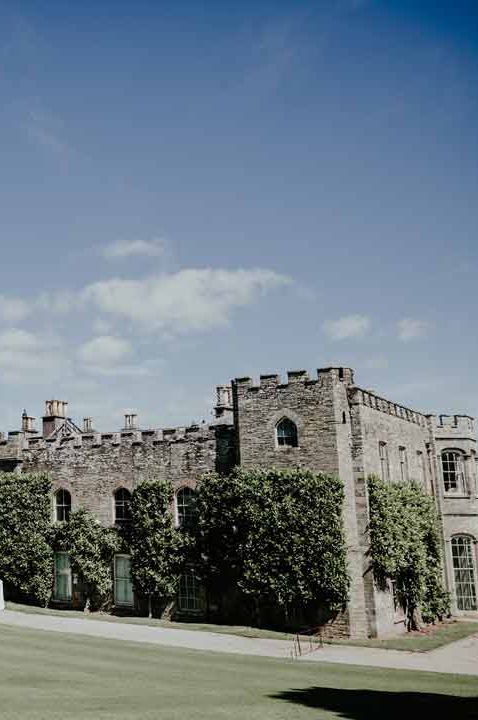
{"x": 433, "y": 637}
{"x": 52, "y": 676}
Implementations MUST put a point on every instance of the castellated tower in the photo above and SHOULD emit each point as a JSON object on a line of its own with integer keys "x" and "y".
{"x": 319, "y": 410}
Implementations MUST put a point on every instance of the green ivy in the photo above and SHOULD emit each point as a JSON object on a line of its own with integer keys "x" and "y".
{"x": 275, "y": 534}
{"x": 406, "y": 548}
{"x": 26, "y": 558}
{"x": 157, "y": 548}
{"x": 91, "y": 549}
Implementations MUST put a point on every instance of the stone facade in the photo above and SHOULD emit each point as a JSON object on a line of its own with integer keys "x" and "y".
{"x": 341, "y": 429}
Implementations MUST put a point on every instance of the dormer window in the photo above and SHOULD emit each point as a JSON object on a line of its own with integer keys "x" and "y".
{"x": 286, "y": 433}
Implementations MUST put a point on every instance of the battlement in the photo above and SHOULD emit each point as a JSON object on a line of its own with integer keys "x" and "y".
{"x": 359, "y": 396}
{"x": 268, "y": 382}
{"x": 458, "y": 425}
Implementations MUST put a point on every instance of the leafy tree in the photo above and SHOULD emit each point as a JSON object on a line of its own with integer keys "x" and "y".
{"x": 91, "y": 548}
{"x": 26, "y": 560}
{"x": 406, "y": 548}
{"x": 157, "y": 548}
{"x": 275, "y": 534}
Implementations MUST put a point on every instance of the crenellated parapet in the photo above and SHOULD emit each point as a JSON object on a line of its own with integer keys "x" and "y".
{"x": 295, "y": 380}
{"x": 367, "y": 398}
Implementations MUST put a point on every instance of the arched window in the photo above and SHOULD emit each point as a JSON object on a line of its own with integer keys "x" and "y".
{"x": 453, "y": 471}
{"x": 462, "y": 552}
{"x": 186, "y": 507}
{"x": 62, "y": 505}
{"x": 286, "y": 433}
{"x": 122, "y": 506}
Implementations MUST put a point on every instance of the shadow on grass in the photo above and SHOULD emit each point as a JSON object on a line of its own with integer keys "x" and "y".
{"x": 370, "y": 704}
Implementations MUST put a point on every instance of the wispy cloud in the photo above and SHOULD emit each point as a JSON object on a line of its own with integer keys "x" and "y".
{"x": 348, "y": 326}
{"x": 190, "y": 300}
{"x": 12, "y": 310}
{"x": 411, "y": 329}
{"x": 129, "y": 248}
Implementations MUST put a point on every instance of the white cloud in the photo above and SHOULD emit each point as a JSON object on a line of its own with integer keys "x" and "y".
{"x": 13, "y": 310}
{"x": 189, "y": 300}
{"x": 23, "y": 355}
{"x": 411, "y": 329}
{"x": 104, "y": 351}
{"x": 129, "y": 248}
{"x": 349, "y": 326}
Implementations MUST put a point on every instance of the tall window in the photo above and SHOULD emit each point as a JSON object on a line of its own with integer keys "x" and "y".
{"x": 384, "y": 464}
{"x": 123, "y": 583}
{"x": 286, "y": 433}
{"x": 186, "y": 507}
{"x": 62, "y": 505}
{"x": 464, "y": 572}
{"x": 188, "y": 596}
{"x": 421, "y": 468}
{"x": 62, "y": 587}
{"x": 122, "y": 506}
{"x": 403, "y": 464}
{"x": 453, "y": 475}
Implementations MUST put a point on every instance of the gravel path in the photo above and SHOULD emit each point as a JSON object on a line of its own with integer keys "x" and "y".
{"x": 460, "y": 657}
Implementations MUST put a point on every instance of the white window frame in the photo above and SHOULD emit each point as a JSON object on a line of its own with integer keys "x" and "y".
{"x": 189, "y": 602}
{"x": 467, "y": 573}
{"x": 56, "y": 505}
{"x": 116, "y": 578}
{"x": 67, "y": 573}
{"x": 459, "y": 471}
{"x": 178, "y": 521}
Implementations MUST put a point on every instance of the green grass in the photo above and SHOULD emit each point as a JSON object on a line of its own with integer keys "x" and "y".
{"x": 434, "y": 637}
{"x": 48, "y": 676}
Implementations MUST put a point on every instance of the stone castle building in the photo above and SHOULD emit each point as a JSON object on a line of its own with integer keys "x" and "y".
{"x": 325, "y": 424}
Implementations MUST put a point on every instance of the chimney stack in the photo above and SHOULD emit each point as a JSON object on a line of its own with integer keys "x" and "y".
{"x": 130, "y": 421}
{"x": 87, "y": 425}
{"x": 55, "y": 415}
{"x": 28, "y": 423}
{"x": 223, "y": 400}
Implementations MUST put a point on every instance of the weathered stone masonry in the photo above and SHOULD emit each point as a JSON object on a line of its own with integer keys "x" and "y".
{"x": 341, "y": 429}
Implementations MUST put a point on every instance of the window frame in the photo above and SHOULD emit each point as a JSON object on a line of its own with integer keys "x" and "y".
{"x": 180, "y": 517}
{"x": 458, "y": 473}
{"x": 193, "y": 599}
{"x": 282, "y": 437}
{"x": 65, "y": 572}
{"x": 384, "y": 461}
{"x": 122, "y": 503}
{"x": 468, "y": 572}
{"x": 117, "y": 578}
{"x": 63, "y": 508}
{"x": 403, "y": 463}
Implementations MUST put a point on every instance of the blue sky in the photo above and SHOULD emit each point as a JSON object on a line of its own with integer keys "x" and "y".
{"x": 195, "y": 191}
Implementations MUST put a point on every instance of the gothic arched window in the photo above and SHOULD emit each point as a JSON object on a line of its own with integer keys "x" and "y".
{"x": 286, "y": 433}
{"x": 186, "y": 507}
{"x": 62, "y": 505}
{"x": 122, "y": 506}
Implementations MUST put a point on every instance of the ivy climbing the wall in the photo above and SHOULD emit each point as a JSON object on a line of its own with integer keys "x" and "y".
{"x": 406, "y": 549}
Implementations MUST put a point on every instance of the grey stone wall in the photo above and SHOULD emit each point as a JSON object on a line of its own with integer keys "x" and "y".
{"x": 93, "y": 466}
